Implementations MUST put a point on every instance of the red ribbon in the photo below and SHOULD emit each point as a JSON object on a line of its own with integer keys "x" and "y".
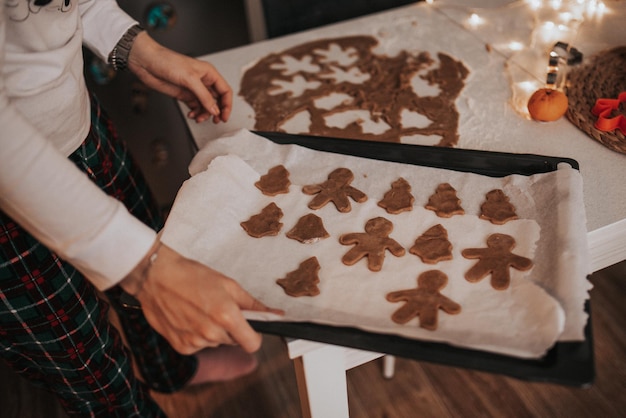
{"x": 603, "y": 109}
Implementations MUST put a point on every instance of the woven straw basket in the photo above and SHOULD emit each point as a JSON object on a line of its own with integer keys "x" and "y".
{"x": 604, "y": 76}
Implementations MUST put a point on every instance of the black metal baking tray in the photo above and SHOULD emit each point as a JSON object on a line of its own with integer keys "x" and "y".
{"x": 567, "y": 363}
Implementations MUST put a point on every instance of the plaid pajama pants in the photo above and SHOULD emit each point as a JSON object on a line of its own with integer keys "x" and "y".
{"x": 54, "y": 327}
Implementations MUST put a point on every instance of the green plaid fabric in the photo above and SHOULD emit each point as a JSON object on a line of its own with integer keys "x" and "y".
{"x": 53, "y": 326}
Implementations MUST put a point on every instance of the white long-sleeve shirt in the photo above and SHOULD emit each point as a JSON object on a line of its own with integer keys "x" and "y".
{"x": 44, "y": 117}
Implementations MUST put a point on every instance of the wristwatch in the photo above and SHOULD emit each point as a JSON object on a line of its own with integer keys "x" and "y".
{"x": 118, "y": 58}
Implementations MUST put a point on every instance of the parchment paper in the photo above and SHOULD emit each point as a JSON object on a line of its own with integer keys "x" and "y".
{"x": 540, "y": 307}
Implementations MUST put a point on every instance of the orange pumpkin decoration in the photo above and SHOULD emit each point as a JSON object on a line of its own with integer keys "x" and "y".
{"x": 547, "y": 105}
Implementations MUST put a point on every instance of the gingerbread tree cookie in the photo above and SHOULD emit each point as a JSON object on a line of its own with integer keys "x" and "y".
{"x": 371, "y": 244}
{"x": 302, "y": 281}
{"x": 425, "y": 301}
{"x": 497, "y": 208}
{"x": 495, "y": 260}
{"x": 444, "y": 202}
{"x": 399, "y": 198}
{"x": 264, "y": 223}
{"x": 308, "y": 229}
{"x": 433, "y": 245}
{"x": 336, "y": 189}
{"x": 275, "y": 182}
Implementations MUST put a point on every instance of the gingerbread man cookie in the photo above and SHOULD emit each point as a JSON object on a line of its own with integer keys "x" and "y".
{"x": 264, "y": 223}
{"x": 336, "y": 189}
{"x": 275, "y": 182}
{"x": 399, "y": 198}
{"x": 302, "y": 281}
{"x": 371, "y": 244}
{"x": 424, "y": 301}
{"x": 496, "y": 260}
{"x": 497, "y": 208}
{"x": 444, "y": 202}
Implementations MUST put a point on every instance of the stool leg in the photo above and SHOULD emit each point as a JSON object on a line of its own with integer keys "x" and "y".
{"x": 321, "y": 378}
{"x": 389, "y": 363}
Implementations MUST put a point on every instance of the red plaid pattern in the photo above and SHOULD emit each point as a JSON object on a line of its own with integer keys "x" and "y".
{"x": 54, "y": 328}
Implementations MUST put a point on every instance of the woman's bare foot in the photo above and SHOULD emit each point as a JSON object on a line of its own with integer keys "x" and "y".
{"x": 222, "y": 363}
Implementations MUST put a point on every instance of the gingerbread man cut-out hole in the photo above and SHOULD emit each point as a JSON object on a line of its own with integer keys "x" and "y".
{"x": 495, "y": 260}
{"x": 336, "y": 189}
{"x": 371, "y": 244}
{"x": 425, "y": 301}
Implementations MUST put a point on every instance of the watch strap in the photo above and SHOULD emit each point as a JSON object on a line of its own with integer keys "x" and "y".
{"x": 118, "y": 57}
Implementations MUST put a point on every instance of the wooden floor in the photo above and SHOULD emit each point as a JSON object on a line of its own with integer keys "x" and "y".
{"x": 416, "y": 390}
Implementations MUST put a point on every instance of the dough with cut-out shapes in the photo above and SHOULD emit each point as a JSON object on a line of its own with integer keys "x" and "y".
{"x": 336, "y": 189}
{"x": 425, "y": 301}
{"x": 373, "y": 244}
{"x": 283, "y": 90}
{"x": 264, "y": 223}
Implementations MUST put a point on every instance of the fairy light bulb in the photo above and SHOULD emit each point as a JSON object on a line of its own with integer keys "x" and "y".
{"x": 516, "y": 46}
{"x": 474, "y": 20}
{"x": 528, "y": 87}
{"x": 556, "y": 4}
{"x": 534, "y": 4}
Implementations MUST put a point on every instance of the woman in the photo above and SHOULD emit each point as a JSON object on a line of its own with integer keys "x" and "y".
{"x": 76, "y": 218}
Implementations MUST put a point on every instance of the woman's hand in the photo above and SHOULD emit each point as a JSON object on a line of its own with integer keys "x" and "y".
{"x": 191, "y": 305}
{"x": 196, "y": 83}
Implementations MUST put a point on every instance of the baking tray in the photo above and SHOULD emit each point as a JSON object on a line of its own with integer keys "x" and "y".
{"x": 566, "y": 363}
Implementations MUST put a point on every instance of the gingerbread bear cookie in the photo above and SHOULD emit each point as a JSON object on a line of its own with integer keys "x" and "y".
{"x": 444, "y": 202}
{"x": 399, "y": 198}
{"x": 302, "y": 281}
{"x": 308, "y": 229}
{"x": 433, "y": 245}
{"x": 264, "y": 223}
{"x": 497, "y": 208}
{"x": 336, "y": 189}
{"x": 371, "y": 244}
{"x": 275, "y": 182}
{"x": 495, "y": 260}
{"x": 425, "y": 301}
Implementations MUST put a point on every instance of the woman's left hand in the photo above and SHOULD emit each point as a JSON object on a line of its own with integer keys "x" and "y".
{"x": 196, "y": 83}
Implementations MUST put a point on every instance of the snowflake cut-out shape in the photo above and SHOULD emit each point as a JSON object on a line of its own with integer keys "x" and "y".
{"x": 335, "y": 54}
{"x": 352, "y": 75}
{"x": 291, "y": 65}
{"x": 295, "y": 87}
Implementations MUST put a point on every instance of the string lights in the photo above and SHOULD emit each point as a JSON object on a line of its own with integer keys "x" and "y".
{"x": 550, "y": 22}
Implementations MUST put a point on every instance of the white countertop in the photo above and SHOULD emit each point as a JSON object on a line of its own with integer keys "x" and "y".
{"x": 488, "y": 120}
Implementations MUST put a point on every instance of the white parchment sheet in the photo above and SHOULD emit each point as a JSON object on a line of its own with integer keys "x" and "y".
{"x": 540, "y": 307}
